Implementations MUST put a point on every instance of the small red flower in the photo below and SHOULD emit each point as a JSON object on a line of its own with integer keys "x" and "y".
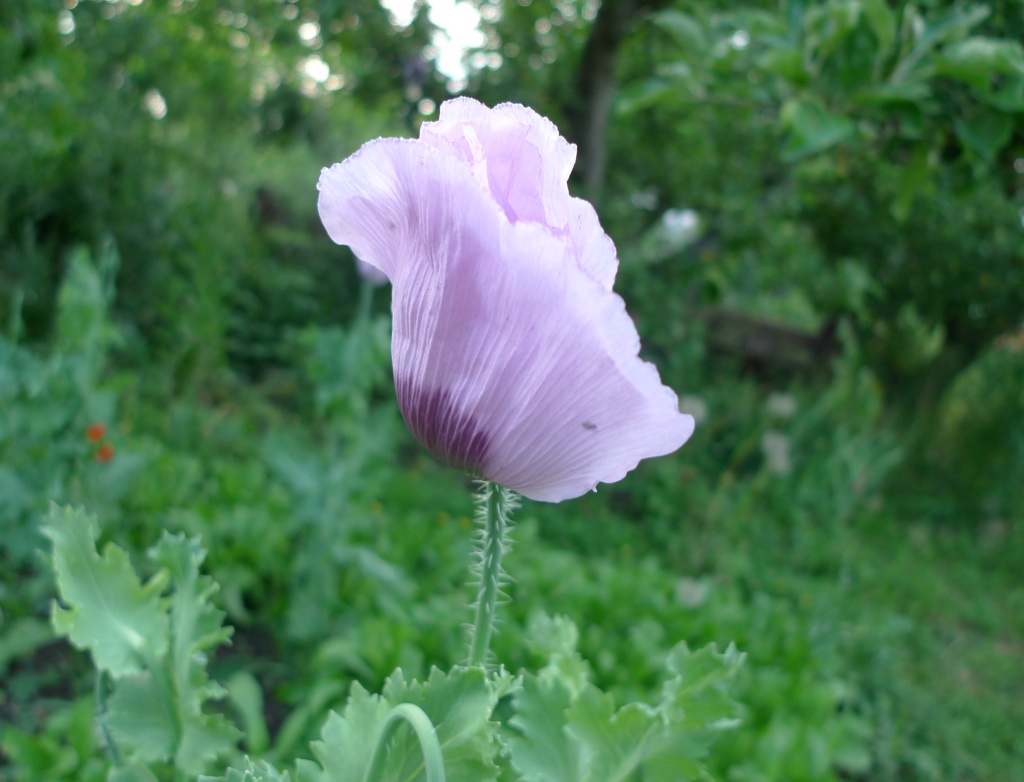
{"x": 95, "y": 431}
{"x": 105, "y": 453}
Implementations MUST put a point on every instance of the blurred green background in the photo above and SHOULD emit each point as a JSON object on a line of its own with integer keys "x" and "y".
{"x": 819, "y": 211}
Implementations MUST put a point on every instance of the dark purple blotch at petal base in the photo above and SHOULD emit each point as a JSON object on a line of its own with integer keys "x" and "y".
{"x": 448, "y": 433}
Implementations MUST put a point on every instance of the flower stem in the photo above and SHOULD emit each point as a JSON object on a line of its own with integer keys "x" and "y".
{"x": 495, "y": 505}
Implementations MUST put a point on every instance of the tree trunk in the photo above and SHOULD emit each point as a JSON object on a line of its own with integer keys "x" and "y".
{"x": 595, "y": 85}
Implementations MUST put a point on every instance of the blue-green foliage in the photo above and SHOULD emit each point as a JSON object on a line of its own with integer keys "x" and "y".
{"x": 457, "y": 704}
{"x": 566, "y": 728}
{"x": 151, "y": 645}
{"x": 46, "y": 406}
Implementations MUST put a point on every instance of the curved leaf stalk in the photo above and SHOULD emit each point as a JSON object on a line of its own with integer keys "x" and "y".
{"x": 496, "y": 504}
{"x": 421, "y": 725}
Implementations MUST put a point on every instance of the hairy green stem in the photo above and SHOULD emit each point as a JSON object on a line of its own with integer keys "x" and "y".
{"x": 421, "y": 725}
{"x": 496, "y": 503}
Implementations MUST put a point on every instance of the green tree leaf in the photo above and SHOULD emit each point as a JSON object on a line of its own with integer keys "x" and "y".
{"x": 976, "y": 60}
{"x": 828, "y": 25}
{"x": 688, "y": 33}
{"x": 921, "y": 38}
{"x": 812, "y": 128}
{"x": 984, "y": 131}
{"x": 882, "y": 21}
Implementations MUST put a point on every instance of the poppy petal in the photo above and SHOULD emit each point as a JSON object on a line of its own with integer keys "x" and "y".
{"x": 511, "y": 360}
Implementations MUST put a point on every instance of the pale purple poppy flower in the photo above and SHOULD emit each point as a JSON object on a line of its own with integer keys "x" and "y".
{"x": 513, "y": 358}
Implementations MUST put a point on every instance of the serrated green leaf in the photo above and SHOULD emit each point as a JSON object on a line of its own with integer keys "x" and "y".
{"x": 556, "y": 638}
{"x": 562, "y": 734}
{"x": 674, "y": 756}
{"x": 669, "y": 740}
{"x": 156, "y": 661}
{"x": 348, "y": 739}
{"x": 195, "y": 623}
{"x": 697, "y": 696}
{"x": 251, "y": 772}
{"x": 309, "y": 771}
{"x": 459, "y": 704}
{"x": 504, "y": 683}
{"x": 204, "y": 738}
{"x": 196, "y": 626}
{"x": 541, "y": 750}
{"x": 110, "y": 613}
{"x": 551, "y": 636}
{"x": 613, "y": 744}
{"x": 140, "y": 717}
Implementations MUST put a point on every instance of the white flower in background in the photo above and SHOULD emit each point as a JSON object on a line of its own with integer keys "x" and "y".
{"x": 781, "y": 405}
{"x": 775, "y": 447}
